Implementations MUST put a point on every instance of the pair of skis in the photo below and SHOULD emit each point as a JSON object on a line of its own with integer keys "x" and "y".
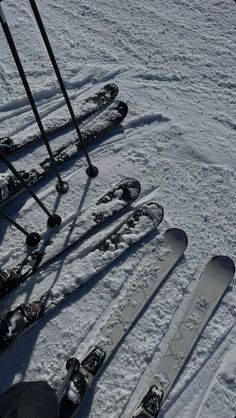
{"x": 73, "y": 231}
{"x": 101, "y": 104}
{"x": 142, "y": 221}
{"x": 88, "y": 108}
{"x": 211, "y": 287}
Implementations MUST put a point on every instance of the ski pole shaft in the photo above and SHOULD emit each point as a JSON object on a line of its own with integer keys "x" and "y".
{"x": 28, "y": 188}
{"x": 92, "y": 171}
{"x": 7, "y": 32}
{"x": 32, "y": 238}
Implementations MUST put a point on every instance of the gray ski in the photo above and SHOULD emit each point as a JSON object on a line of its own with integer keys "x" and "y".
{"x": 212, "y": 285}
{"x": 121, "y": 319}
{"x": 142, "y": 221}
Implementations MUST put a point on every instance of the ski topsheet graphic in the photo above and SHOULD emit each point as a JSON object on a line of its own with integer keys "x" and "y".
{"x": 10, "y": 185}
{"x": 129, "y": 307}
{"x": 211, "y": 287}
{"x": 116, "y": 199}
{"x": 88, "y": 107}
{"x": 135, "y": 227}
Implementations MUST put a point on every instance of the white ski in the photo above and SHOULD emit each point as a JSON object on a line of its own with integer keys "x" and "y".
{"x": 121, "y": 319}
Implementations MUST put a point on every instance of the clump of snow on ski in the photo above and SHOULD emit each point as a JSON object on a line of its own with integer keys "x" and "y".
{"x": 116, "y": 199}
{"x": 212, "y": 285}
{"x": 57, "y": 121}
{"x": 129, "y": 306}
{"x": 142, "y": 221}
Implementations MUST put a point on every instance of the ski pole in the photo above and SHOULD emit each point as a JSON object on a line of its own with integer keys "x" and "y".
{"x": 61, "y": 186}
{"x": 72, "y": 366}
{"x": 91, "y": 170}
{"x": 53, "y": 219}
{"x": 32, "y": 238}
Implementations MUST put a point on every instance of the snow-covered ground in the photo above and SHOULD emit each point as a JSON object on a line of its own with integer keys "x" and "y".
{"x": 174, "y": 63}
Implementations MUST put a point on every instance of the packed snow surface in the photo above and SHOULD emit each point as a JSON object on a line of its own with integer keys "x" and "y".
{"x": 174, "y": 63}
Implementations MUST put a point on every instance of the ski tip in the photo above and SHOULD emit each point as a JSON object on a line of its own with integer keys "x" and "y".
{"x": 131, "y": 189}
{"x": 154, "y": 211}
{"x": 112, "y": 89}
{"x": 122, "y": 108}
{"x": 225, "y": 262}
{"x": 177, "y": 235}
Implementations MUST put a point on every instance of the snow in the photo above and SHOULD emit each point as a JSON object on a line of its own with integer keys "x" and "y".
{"x": 174, "y": 64}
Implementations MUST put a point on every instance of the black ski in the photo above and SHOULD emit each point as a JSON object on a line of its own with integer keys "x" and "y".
{"x": 89, "y": 107}
{"x": 113, "y": 202}
{"x": 10, "y": 186}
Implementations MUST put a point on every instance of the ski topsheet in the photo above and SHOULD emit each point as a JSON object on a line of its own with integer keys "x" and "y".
{"x": 169, "y": 251}
{"x": 88, "y": 107}
{"x": 212, "y": 285}
{"x": 116, "y": 199}
{"x": 135, "y": 227}
{"x": 10, "y": 186}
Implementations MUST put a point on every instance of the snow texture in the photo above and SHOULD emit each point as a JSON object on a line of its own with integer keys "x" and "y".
{"x": 174, "y": 63}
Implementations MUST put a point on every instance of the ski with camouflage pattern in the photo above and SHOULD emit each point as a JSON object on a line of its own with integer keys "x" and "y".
{"x": 89, "y": 107}
{"x": 10, "y": 186}
{"x": 211, "y": 287}
{"x": 141, "y": 222}
{"x": 129, "y": 307}
{"x": 71, "y": 232}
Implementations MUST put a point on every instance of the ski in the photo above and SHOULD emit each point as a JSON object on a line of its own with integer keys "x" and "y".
{"x": 91, "y": 132}
{"x": 142, "y": 221}
{"x": 88, "y": 107}
{"x": 211, "y": 287}
{"x": 71, "y": 232}
{"x": 129, "y": 307}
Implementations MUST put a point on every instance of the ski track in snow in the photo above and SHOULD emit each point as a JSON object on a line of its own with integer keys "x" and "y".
{"x": 175, "y": 67}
